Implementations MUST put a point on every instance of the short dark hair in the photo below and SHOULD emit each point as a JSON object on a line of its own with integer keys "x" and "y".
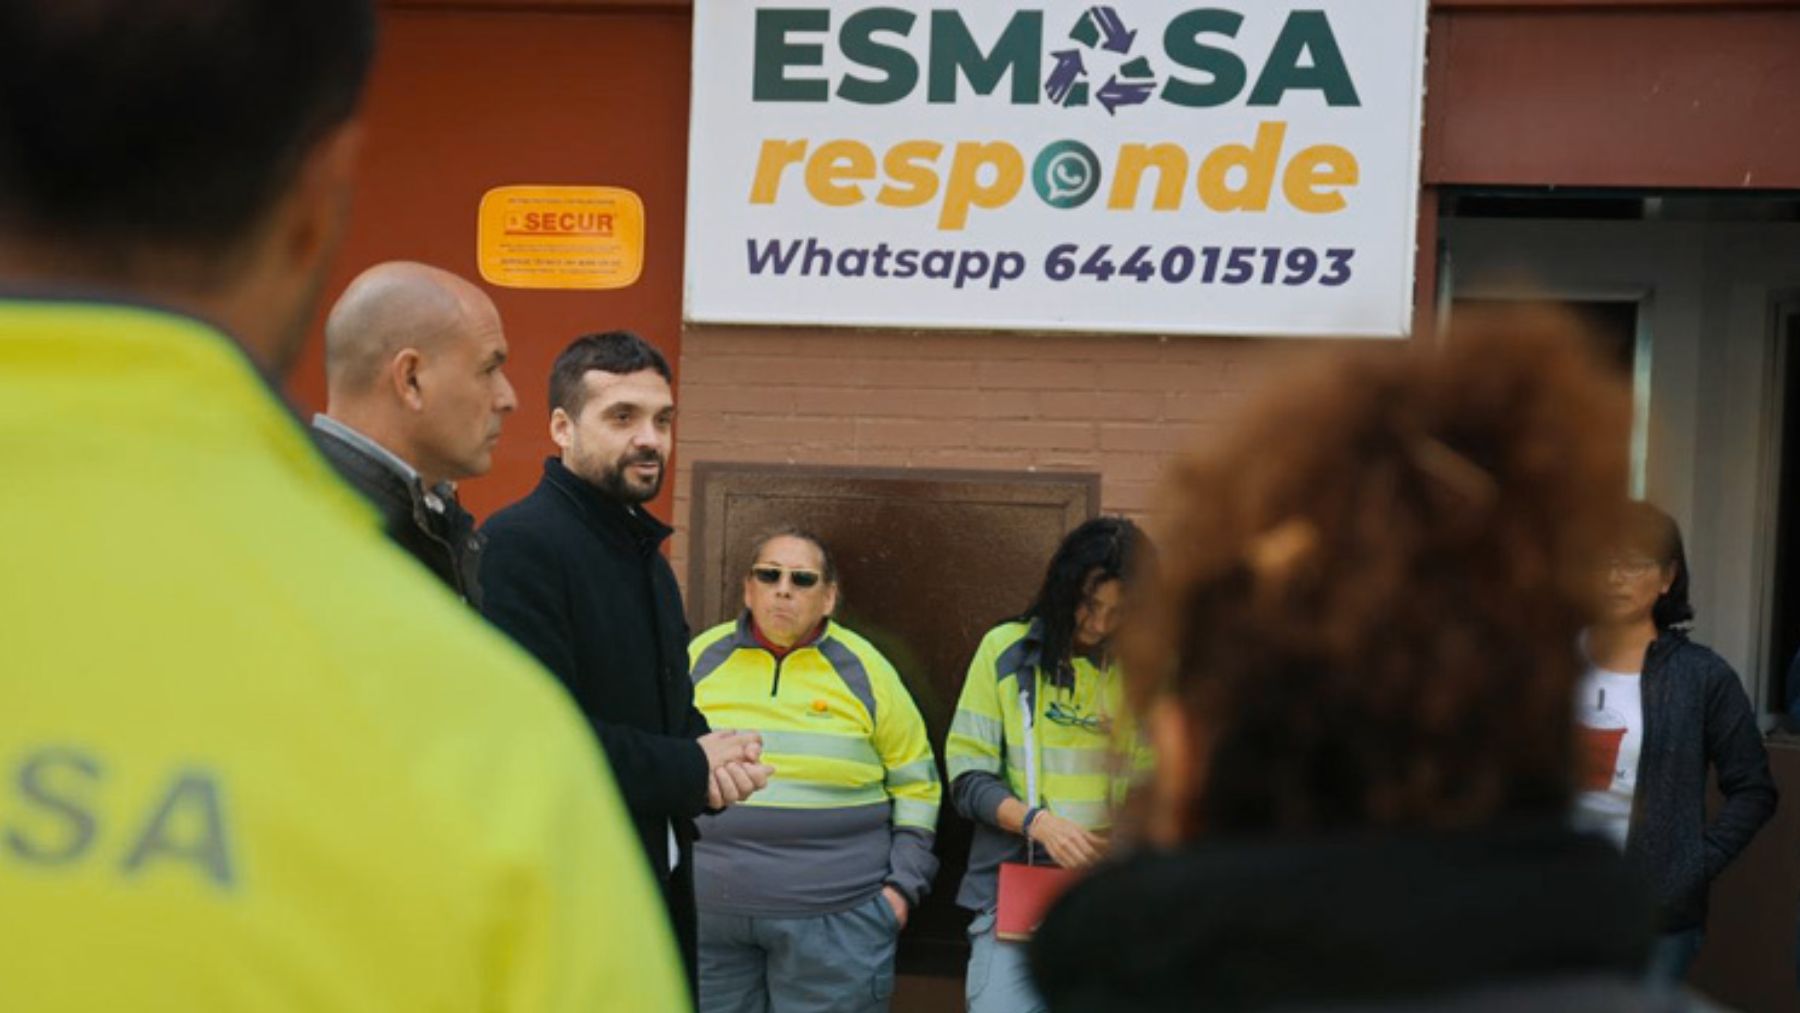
{"x": 167, "y": 124}
{"x": 608, "y": 352}
{"x": 1648, "y": 530}
{"x": 827, "y": 567}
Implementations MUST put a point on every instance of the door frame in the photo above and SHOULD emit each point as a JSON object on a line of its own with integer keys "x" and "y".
{"x": 1706, "y": 446}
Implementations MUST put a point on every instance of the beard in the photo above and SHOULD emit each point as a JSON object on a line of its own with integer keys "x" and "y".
{"x": 616, "y": 481}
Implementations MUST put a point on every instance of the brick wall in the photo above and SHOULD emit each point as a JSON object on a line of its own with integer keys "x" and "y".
{"x": 1119, "y": 405}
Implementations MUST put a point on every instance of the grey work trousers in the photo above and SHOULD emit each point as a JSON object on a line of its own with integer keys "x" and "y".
{"x": 832, "y": 963}
{"x": 999, "y": 977}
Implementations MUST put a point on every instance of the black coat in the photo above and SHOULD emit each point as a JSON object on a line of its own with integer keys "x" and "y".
{"x": 1529, "y": 918}
{"x": 1696, "y": 717}
{"x": 445, "y": 542}
{"x": 578, "y": 580}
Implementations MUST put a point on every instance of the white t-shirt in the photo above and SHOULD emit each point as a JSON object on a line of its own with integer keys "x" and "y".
{"x": 1609, "y": 724}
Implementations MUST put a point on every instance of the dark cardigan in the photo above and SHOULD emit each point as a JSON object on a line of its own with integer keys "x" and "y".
{"x": 1695, "y": 716}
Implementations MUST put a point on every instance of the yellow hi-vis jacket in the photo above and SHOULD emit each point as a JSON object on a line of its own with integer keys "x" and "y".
{"x": 1072, "y": 728}
{"x": 837, "y": 722}
{"x": 1066, "y": 760}
{"x": 252, "y": 757}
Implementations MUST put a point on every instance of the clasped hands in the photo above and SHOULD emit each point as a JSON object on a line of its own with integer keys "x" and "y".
{"x": 735, "y": 759}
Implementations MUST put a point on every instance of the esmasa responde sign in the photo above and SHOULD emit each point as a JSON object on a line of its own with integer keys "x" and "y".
{"x": 1016, "y": 165}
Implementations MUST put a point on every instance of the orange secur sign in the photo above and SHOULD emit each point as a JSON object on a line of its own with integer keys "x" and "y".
{"x": 561, "y": 237}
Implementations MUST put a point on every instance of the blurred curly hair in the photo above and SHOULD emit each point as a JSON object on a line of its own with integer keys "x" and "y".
{"x": 1370, "y": 594}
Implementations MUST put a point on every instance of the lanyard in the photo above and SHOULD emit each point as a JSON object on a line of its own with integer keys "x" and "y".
{"x": 1028, "y": 719}
{"x": 1027, "y": 707}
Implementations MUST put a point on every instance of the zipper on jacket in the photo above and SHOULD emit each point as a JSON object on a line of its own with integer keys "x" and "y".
{"x": 775, "y": 685}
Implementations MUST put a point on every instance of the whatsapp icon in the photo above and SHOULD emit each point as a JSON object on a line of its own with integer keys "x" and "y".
{"x": 1066, "y": 174}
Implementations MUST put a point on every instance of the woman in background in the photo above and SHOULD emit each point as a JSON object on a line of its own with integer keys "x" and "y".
{"x": 1031, "y": 747}
{"x": 1656, "y": 710}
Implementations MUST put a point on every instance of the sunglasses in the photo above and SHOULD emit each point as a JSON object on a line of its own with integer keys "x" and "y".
{"x": 771, "y": 575}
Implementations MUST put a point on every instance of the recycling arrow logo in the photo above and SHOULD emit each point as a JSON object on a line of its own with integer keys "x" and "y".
{"x": 1101, "y": 37}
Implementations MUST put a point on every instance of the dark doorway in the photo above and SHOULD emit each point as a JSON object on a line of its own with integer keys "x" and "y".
{"x": 928, "y": 561}
{"x": 1784, "y": 610}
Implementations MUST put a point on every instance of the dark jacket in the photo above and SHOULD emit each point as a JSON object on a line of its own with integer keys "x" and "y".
{"x": 1532, "y": 918}
{"x": 577, "y": 579}
{"x": 1695, "y": 716}
{"x": 1793, "y": 693}
{"x": 445, "y": 541}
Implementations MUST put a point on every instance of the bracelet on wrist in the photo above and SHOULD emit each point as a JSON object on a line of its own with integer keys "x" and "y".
{"x": 1031, "y": 816}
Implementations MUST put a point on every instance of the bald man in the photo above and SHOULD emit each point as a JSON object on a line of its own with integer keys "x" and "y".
{"x": 415, "y": 399}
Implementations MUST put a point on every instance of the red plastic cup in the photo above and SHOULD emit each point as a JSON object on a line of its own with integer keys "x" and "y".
{"x": 1599, "y": 756}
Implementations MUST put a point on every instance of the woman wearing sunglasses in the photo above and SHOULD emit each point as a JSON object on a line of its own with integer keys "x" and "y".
{"x": 1656, "y": 711}
{"x": 803, "y": 889}
{"x": 1031, "y": 747}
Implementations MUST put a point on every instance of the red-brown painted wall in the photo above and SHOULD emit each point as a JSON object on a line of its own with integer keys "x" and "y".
{"x": 1652, "y": 95}
{"x": 465, "y": 100}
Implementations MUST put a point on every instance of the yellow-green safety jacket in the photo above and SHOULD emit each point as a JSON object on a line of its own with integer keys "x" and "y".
{"x": 853, "y": 803}
{"x": 1070, "y": 755}
{"x": 252, "y": 756}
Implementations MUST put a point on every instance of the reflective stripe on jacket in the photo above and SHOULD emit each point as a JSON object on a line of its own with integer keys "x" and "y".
{"x": 1077, "y": 732}
{"x": 838, "y": 724}
{"x": 1073, "y": 740}
{"x": 853, "y": 803}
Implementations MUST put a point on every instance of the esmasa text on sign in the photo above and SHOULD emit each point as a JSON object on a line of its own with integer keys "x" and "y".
{"x": 1247, "y": 168}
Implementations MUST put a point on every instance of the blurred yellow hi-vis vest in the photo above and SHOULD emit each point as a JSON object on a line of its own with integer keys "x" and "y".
{"x": 252, "y": 757}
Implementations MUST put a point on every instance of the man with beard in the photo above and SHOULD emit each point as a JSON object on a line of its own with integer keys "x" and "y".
{"x": 413, "y": 358}
{"x": 574, "y": 573}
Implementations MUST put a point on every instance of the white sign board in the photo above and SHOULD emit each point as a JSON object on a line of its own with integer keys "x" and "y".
{"x": 1249, "y": 167}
